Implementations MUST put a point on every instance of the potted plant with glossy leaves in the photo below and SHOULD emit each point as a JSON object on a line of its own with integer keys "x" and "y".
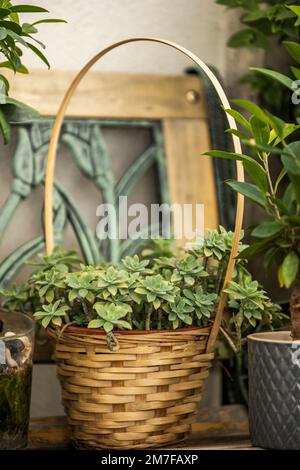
{"x": 274, "y": 365}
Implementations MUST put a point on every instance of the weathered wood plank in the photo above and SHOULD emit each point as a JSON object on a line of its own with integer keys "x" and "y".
{"x": 112, "y": 95}
{"x": 190, "y": 175}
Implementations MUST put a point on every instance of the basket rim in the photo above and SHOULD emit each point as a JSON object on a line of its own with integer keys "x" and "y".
{"x": 94, "y": 331}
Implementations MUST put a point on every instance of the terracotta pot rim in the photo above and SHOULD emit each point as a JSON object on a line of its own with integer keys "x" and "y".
{"x": 94, "y": 331}
{"x": 276, "y": 337}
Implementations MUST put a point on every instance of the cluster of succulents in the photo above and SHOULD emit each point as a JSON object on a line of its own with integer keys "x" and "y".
{"x": 176, "y": 288}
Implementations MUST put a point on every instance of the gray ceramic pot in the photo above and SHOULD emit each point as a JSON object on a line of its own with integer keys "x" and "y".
{"x": 274, "y": 390}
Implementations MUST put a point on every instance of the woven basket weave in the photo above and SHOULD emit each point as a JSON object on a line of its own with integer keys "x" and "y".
{"x": 145, "y": 394}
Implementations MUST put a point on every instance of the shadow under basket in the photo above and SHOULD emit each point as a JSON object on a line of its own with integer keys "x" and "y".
{"x": 142, "y": 396}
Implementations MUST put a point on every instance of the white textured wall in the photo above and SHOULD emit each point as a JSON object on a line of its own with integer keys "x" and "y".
{"x": 93, "y": 24}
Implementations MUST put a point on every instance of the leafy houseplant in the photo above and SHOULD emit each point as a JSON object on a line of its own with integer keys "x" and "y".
{"x": 15, "y": 360}
{"x": 14, "y": 38}
{"x": 265, "y": 24}
{"x": 273, "y": 357}
{"x": 162, "y": 293}
{"x": 277, "y": 237}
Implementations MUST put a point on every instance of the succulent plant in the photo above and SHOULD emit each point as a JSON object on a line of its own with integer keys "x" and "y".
{"x": 188, "y": 271}
{"x": 179, "y": 312}
{"x": 110, "y": 315}
{"x": 134, "y": 265}
{"x": 157, "y": 290}
{"x": 204, "y": 304}
{"x": 167, "y": 292}
{"x": 54, "y": 313}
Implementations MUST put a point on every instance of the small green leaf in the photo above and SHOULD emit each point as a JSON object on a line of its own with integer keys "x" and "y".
{"x": 39, "y": 54}
{"x": 239, "y": 118}
{"x": 4, "y": 12}
{"x": 293, "y": 49}
{"x": 51, "y": 20}
{"x": 279, "y": 77}
{"x": 255, "y": 249}
{"x": 291, "y": 158}
{"x": 260, "y": 131}
{"x": 95, "y": 323}
{"x": 296, "y": 72}
{"x": 252, "y": 108}
{"x": 247, "y": 38}
{"x": 12, "y": 26}
{"x": 296, "y": 10}
{"x": 290, "y": 267}
{"x": 108, "y": 326}
{"x": 27, "y": 9}
{"x": 267, "y": 229}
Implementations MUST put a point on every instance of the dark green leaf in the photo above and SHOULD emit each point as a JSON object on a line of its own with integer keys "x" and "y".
{"x": 253, "y": 168}
{"x": 296, "y": 72}
{"x": 247, "y": 38}
{"x": 296, "y": 10}
{"x": 252, "y": 108}
{"x": 295, "y": 180}
{"x": 250, "y": 191}
{"x": 238, "y": 133}
{"x": 12, "y": 26}
{"x": 291, "y": 158}
{"x": 28, "y": 9}
{"x": 239, "y": 118}
{"x": 279, "y": 77}
{"x": 51, "y": 20}
{"x": 267, "y": 229}
{"x": 19, "y": 112}
{"x": 289, "y": 196}
{"x": 4, "y": 12}
{"x": 256, "y": 249}
{"x": 7, "y": 65}
{"x": 39, "y": 54}
{"x": 260, "y": 131}
{"x": 290, "y": 267}
{"x": 293, "y": 49}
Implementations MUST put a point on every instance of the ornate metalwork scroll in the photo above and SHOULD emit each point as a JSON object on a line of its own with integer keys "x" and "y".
{"x": 89, "y": 152}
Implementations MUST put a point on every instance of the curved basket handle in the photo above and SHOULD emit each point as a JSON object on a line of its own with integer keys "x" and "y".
{"x": 49, "y": 181}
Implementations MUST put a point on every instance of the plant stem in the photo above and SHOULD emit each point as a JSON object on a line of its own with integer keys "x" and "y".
{"x": 271, "y": 188}
{"x": 295, "y": 310}
{"x": 159, "y": 322}
{"x": 148, "y": 317}
{"x": 229, "y": 340}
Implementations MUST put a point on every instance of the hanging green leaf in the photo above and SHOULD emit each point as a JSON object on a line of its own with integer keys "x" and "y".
{"x": 27, "y": 9}
{"x": 289, "y": 269}
{"x": 50, "y": 20}
{"x": 39, "y": 54}
{"x": 279, "y": 77}
{"x": 293, "y": 49}
{"x": 251, "y": 191}
{"x": 267, "y": 229}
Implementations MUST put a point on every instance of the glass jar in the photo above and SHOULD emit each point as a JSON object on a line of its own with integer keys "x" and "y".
{"x": 16, "y": 351}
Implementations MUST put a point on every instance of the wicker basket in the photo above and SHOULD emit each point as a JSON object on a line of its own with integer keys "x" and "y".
{"x": 145, "y": 394}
